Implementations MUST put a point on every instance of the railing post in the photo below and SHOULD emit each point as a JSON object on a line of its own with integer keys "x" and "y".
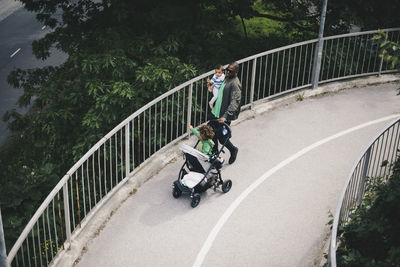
{"x": 3, "y": 253}
{"x": 253, "y": 81}
{"x": 67, "y": 215}
{"x": 363, "y": 176}
{"x": 320, "y": 45}
{"x": 381, "y": 63}
{"x": 329, "y": 258}
{"x": 127, "y": 151}
{"x": 189, "y": 111}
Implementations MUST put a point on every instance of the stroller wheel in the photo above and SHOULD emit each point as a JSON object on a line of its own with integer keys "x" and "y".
{"x": 195, "y": 200}
{"x": 226, "y": 186}
{"x": 176, "y": 192}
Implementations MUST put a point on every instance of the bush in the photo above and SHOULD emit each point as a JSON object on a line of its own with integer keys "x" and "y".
{"x": 372, "y": 236}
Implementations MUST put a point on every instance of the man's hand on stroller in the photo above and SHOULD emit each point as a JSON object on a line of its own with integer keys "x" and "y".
{"x": 222, "y": 120}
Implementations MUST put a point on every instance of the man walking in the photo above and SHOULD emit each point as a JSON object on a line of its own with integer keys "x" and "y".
{"x": 227, "y": 107}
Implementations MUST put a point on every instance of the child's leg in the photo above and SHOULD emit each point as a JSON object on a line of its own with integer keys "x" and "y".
{"x": 212, "y": 101}
{"x": 215, "y": 93}
{"x": 214, "y": 98}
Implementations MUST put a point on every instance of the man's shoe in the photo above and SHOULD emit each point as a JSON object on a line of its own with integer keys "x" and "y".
{"x": 233, "y": 155}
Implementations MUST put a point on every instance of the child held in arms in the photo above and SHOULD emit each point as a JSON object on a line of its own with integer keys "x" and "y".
{"x": 215, "y": 82}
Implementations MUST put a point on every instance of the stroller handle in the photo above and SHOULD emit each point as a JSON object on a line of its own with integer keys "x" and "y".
{"x": 227, "y": 127}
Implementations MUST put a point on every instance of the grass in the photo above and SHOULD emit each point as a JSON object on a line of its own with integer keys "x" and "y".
{"x": 260, "y": 27}
{"x": 264, "y": 28}
{"x": 133, "y": 191}
{"x": 300, "y": 97}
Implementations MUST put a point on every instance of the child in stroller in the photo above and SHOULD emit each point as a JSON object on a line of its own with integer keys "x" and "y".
{"x": 206, "y": 143}
{"x": 201, "y": 171}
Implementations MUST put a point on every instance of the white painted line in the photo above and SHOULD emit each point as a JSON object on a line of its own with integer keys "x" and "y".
{"x": 222, "y": 220}
{"x": 13, "y": 54}
{"x": 44, "y": 27}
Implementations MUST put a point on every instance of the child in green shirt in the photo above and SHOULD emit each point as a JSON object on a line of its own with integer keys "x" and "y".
{"x": 206, "y": 144}
{"x": 205, "y": 135}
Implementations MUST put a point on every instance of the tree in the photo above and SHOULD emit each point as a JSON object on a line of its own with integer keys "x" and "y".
{"x": 372, "y": 236}
{"x": 368, "y": 14}
{"x": 116, "y": 64}
{"x": 390, "y": 51}
{"x": 121, "y": 55}
{"x": 303, "y": 15}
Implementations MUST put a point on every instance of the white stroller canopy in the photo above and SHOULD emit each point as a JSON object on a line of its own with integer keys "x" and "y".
{"x": 201, "y": 157}
{"x": 194, "y": 152}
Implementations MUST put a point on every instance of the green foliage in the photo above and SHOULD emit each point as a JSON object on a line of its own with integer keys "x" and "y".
{"x": 121, "y": 55}
{"x": 21, "y": 192}
{"x": 300, "y": 97}
{"x": 372, "y": 236}
{"x": 368, "y": 14}
{"x": 390, "y": 51}
{"x": 301, "y": 17}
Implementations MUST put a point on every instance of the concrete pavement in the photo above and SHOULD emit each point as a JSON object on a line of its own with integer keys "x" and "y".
{"x": 290, "y": 171}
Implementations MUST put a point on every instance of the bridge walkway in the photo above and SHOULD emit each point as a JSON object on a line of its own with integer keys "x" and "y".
{"x": 291, "y": 168}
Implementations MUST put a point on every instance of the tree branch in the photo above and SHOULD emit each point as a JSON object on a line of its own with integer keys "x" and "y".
{"x": 244, "y": 27}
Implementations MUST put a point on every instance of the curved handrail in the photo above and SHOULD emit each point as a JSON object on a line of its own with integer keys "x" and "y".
{"x": 363, "y": 168}
{"x": 361, "y": 33}
{"x": 110, "y": 162}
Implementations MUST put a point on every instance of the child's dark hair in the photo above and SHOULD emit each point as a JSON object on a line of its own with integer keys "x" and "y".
{"x": 206, "y": 131}
{"x": 218, "y": 66}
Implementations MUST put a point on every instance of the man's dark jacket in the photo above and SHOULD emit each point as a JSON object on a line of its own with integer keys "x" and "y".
{"x": 230, "y": 106}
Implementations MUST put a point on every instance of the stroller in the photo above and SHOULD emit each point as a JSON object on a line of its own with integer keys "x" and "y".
{"x": 201, "y": 172}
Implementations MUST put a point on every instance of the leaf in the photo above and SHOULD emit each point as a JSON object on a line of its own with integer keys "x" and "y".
{"x": 388, "y": 57}
{"x": 376, "y": 37}
{"x": 40, "y": 144}
{"x": 395, "y": 62}
{"x": 384, "y": 163}
{"x": 384, "y": 43}
{"x": 48, "y": 168}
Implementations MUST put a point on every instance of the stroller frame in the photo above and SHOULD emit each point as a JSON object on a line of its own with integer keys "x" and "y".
{"x": 211, "y": 177}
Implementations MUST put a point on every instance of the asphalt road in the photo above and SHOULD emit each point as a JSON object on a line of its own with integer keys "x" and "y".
{"x": 18, "y": 29}
{"x": 291, "y": 168}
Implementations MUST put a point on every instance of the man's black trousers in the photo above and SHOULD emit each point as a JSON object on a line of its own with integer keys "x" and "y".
{"x": 219, "y": 136}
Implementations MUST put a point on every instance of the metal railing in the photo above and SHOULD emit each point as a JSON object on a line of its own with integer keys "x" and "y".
{"x": 375, "y": 162}
{"x": 163, "y": 122}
